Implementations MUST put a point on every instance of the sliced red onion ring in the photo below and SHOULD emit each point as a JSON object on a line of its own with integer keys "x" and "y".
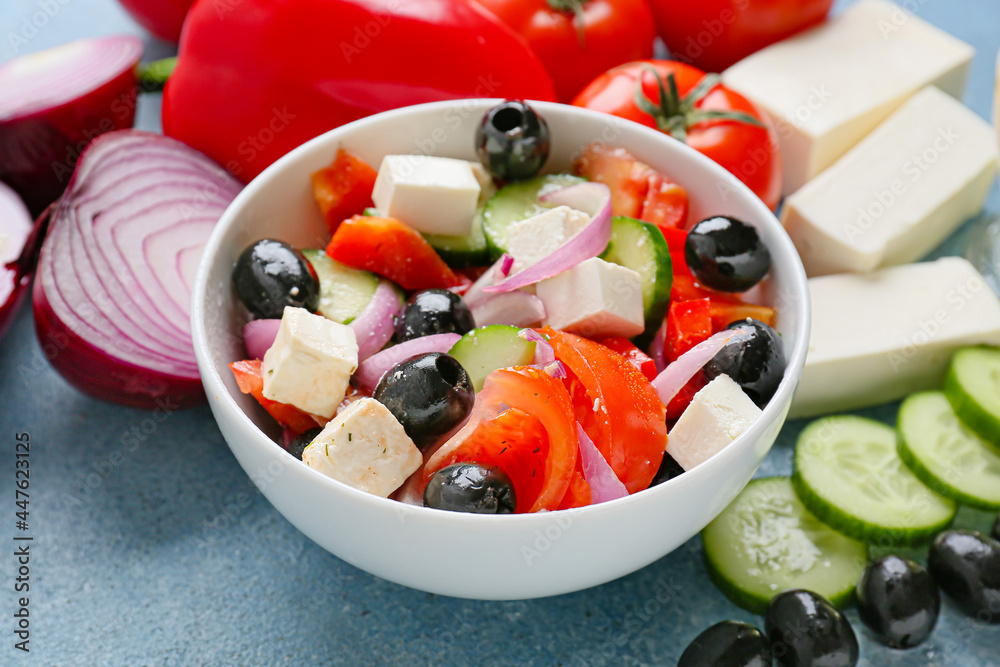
{"x": 55, "y": 102}
{"x": 678, "y": 373}
{"x": 113, "y": 286}
{"x": 374, "y": 326}
{"x": 604, "y": 483}
{"x": 15, "y": 231}
{"x": 518, "y": 309}
{"x": 497, "y": 271}
{"x": 592, "y": 198}
{"x": 371, "y": 370}
{"x": 258, "y": 337}
{"x": 658, "y": 348}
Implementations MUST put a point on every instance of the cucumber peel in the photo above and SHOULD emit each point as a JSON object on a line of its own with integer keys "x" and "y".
{"x": 518, "y": 201}
{"x": 343, "y": 291}
{"x": 486, "y": 349}
{"x": 972, "y": 386}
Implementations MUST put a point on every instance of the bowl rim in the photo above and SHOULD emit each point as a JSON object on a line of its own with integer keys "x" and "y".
{"x": 782, "y": 398}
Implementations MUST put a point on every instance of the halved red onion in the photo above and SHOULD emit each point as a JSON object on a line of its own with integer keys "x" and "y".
{"x": 374, "y": 326}
{"x": 591, "y": 198}
{"x": 55, "y": 102}
{"x": 15, "y": 230}
{"x": 499, "y": 270}
{"x": 678, "y": 373}
{"x": 258, "y": 336}
{"x": 518, "y": 309}
{"x": 371, "y": 370}
{"x": 604, "y": 483}
{"x": 113, "y": 286}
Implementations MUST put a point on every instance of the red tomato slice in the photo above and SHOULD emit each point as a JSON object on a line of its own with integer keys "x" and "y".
{"x": 393, "y": 249}
{"x": 666, "y": 204}
{"x": 642, "y": 361}
{"x": 688, "y": 323}
{"x": 533, "y": 439}
{"x": 251, "y": 381}
{"x": 616, "y": 405}
{"x": 725, "y": 308}
{"x": 344, "y": 188}
{"x": 578, "y": 493}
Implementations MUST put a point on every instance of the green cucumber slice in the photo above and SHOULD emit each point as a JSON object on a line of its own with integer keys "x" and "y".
{"x": 463, "y": 251}
{"x": 945, "y": 454}
{"x": 847, "y": 472}
{"x": 518, "y": 201}
{"x": 973, "y": 389}
{"x": 766, "y": 542}
{"x": 640, "y": 246}
{"x": 343, "y": 291}
{"x": 484, "y": 350}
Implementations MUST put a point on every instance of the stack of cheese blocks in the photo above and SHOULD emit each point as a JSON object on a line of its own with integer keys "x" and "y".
{"x": 882, "y": 162}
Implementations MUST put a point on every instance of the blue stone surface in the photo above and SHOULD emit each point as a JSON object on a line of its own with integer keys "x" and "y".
{"x": 151, "y": 546}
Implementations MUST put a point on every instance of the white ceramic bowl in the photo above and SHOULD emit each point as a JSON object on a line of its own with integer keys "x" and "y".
{"x": 464, "y": 555}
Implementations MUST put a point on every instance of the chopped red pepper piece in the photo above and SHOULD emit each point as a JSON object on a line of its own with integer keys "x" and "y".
{"x": 688, "y": 323}
{"x": 642, "y": 361}
{"x": 725, "y": 308}
{"x": 344, "y": 188}
{"x": 666, "y": 203}
{"x": 251, "y": 381}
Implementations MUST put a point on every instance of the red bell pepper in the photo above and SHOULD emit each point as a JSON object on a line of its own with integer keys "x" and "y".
{"x": 676, "y": 238}
{"x": 642, "y": 361}
{"x": 251, "y": 381}
{"x": 344, "y": 188}
{"x": 163, "y": 18}
{"x": 666, "y": 203}
{"x": 256, "y": 78}
{"x": 725, "y": 308}
{"x": 688, "y": 323}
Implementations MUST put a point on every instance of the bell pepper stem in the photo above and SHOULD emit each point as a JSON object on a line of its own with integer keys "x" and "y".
{"x": 153, "y": 76}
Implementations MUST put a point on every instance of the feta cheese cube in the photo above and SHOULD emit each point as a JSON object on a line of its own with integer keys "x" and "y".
{"x": 826, "y": 88}
{"x": 594, "y": 298}
{"x": 717, "y": 415}
{"x": 310, "y": 362}
{"x": 365, "y": 447}
{"x": 878, "y": 337}
{"x": 532, "y": 239}
{"x": 897, "y": 194}
{"x": 434, "y": 195}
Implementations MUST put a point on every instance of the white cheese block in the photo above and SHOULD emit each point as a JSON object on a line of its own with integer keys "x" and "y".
{"x": 434, "y": 195}
{"x": 595, "y": 298}
{"x": 878, "y": 337}
{"x": 996, "y": 98}
{"x": 532, "y": 239}
{"x": 310, "y": 362}
{"x": 717, "y": 415}
{"x": 364, "y": 447}
{"x": 899, "y": 192}
{"x": 828, "y": 87}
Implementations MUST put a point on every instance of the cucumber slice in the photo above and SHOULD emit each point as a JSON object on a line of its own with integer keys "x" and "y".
{"x": 484, "y": 350}
{"x": 973, "y": 389}
{"x": 343, "y": 291}
{"x": 766, "y": 542}
{"x": 945, "y": 454}
{"x": 462, "y": 251}
{"x": 640, "y": 246}
{"x": 518, "y": 201}
{"x": 370, "y": 212}
{"x": 847, "y": 472}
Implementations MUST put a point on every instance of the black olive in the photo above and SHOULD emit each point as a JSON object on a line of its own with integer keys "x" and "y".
{"x": 512, "y": 141}
{"x": 299, "y": 444}
{"x": 726, "y": 254}
{"x": 270, "y": 275}
{"x": 728, "y": 644}
{"x": 433, "y": 311}
{"x": 471, "y": 487}
{"x": 669, "y": 469}
{"x": 756, "y": 363}
{"x": 429, "y": 395}
{"x": 966, "y": 565}
{"x": 805, "y": 629}
{"x": 898, "y": 601}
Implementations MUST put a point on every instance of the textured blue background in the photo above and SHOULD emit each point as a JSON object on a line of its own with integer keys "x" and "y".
{"x": 161, "y": 552}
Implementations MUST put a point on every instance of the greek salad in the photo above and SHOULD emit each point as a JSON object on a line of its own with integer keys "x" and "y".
{"x": 485, "y": 337}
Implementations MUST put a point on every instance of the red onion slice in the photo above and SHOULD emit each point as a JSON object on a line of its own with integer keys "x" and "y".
{"x": 55, "y": 102}
{"x": 374, "y": 326}
{"x": 658, "y": 348}
{"x": 678, "y": 373}
{"x": 604, "y": 483}
{"x": 592, "y": 198}
{"x": 15, "y": 230}
{"x": 518, "y": 309}
{"x": 371, "y": 370}
{"x": 113, "y": 284}
{"x": 496, "y": 272}
{"x": 258, "y": 337}
{"x": 545, "y": 355}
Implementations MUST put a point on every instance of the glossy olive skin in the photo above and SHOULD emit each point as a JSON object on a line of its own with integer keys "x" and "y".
{"x": 669, "y": 468}
{"x": 726, "y": 254}
{"x": 899, "y": 602}
{"x": 270, "y": 275}
{"x": 512, "y": 141}
{"x": 728, "y": 644}
{"x": 804, "y": 629}
{"x": 299, "y": 444}
{"x": 433, "y": 311}
{"x": 966, "y": 565}
{"x": 471, "y": 487}
{"x": 429, "y": 395}
{"x": 757, "y": 364}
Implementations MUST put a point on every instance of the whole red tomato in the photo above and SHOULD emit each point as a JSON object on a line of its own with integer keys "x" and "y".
{"x": 693, "y": 107}
{"x": 163, "y": 18}
{"x": 578, "y": 39}
{"x": 714, "y": 34}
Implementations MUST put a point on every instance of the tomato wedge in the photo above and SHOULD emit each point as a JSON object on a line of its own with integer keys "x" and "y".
{"x": 616, "y": 405}
{"x": 392, "y": 249}
{"x": 522, "y": 423}
{"x": 725, "y": 308}
{"x": 578, "y": 493}
{"x": 251, "y": 381}
{"x": 344, "y": 188}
